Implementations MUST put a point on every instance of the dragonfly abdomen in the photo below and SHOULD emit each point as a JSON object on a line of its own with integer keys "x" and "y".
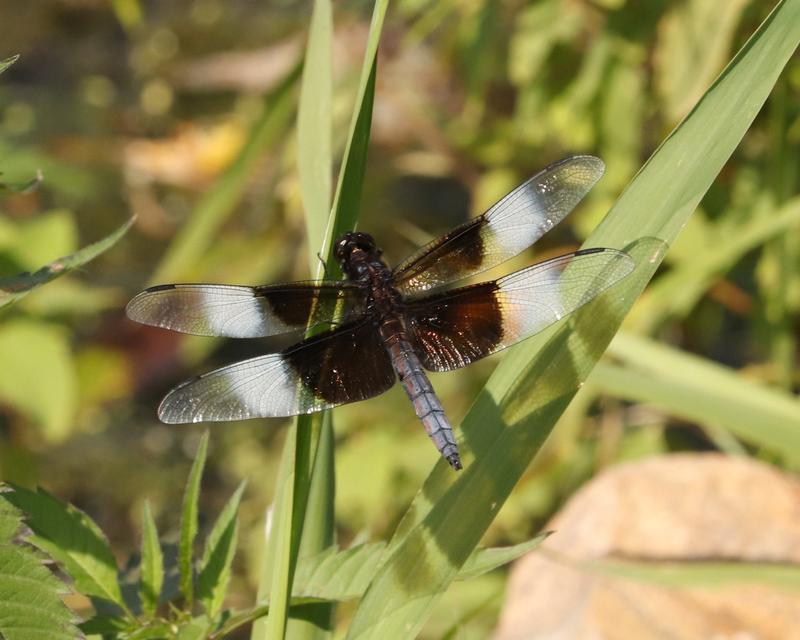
{"x": 419, "y": 390}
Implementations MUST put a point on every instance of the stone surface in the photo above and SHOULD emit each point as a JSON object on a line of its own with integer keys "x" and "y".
{"x": 681, "y": 508}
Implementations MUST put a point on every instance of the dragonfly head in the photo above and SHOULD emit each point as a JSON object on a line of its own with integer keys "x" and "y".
{"x": 355, "y": 246}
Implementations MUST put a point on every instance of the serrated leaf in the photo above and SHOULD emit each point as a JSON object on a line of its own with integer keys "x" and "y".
{"x": 104, "y": 625}
{"x": 12, "y": 288}
{"x": 152, "y": 565}
{"x": 30, "y": 595}
{"x": 71, "y": 538}
{"x": 189, "y": 510}
{"x": 345, "y": 575}
{"x": 215, "y": 567}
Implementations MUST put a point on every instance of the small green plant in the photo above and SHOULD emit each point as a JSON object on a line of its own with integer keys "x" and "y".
{"x": 168, "y": 590}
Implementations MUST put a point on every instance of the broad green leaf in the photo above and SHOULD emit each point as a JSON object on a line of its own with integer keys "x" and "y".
{"x": 14, "y": 287}
{"x": 71, "y": 538}
{"x": 200, "y": 231}
{"x": 38, "y": 377}
{"x": 191, "y": 496}
{"x": 30, "y": 594}
{"x": 152, "y": 564}
{"x": 7, "y": 62}
{"x": 215, "y": 568}
{"x": 694, "y": 388}
{"x": 536, "y": 381}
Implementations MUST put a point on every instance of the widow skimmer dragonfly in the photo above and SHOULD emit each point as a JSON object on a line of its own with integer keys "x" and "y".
{"x": 391, "y": 323}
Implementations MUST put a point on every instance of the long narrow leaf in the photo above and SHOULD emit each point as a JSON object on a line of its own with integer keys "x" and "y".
{"x": 304, "y": 437}
{"x": 534, "y": 384}
{"x": 212, "y": 211}
{"x": 152, "y": 564}
{"x": 215, "y": 567}
{"x": 693, "y": 388}
{"x": 189, "y": 510}
{"x": 7, "y": 62}
{"x": 14, "y": 287}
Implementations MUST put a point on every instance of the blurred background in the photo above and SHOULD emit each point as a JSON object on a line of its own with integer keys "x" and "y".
{"x": 183, "y": 113}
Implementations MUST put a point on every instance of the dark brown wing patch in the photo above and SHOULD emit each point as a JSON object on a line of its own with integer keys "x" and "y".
{"x": 453, "y": 329}
{"x": 457, "y": 327}
{"x": 346, "y": 365}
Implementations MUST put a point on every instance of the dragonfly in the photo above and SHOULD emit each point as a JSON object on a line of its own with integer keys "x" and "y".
{"x": 379, "y": 324}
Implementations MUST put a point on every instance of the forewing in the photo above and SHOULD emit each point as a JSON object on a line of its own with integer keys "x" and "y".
{"x": 452, "y": 329}
{"x": 340, "y": 366}
{"x": 509, "y": 227}
{"x": 244, "y": 312}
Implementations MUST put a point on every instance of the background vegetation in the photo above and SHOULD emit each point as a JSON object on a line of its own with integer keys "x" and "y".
{"x": 185, "y": 114}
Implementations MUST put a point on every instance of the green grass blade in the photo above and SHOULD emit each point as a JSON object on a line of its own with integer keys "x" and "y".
{"x": 692, "y": 388}
{"x": 14, "y": 287}
{"x": 314, "y": 485}
{"x": 536, "y": 381}
{"x": 699, "y": 574}
{"x": 189, "y": 509}
{"x": 213, "y": 209}
{"x": 346, "y": 202}
{"x": 295, "y": 477}
{"x": 215, "y": 567}
{"x": 7, "y": 62}
{"x": 314, "y": 125}
{"x": 152, "y": 565}
{"x": 678, "y": 291}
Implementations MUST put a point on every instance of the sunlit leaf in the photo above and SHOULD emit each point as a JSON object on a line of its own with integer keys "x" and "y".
{"x": 295, "y": 473}
{"x": 71, "y": 538}
{"x": 536, "y": 381}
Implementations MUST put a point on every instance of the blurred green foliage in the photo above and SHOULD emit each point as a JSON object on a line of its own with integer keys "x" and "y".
{"x": 129, "y": 108}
